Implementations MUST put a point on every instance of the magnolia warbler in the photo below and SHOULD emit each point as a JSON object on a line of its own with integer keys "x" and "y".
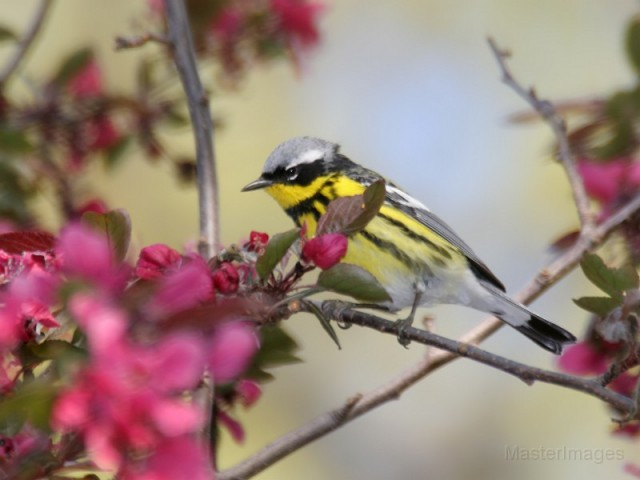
{"x": 412, "y": 253}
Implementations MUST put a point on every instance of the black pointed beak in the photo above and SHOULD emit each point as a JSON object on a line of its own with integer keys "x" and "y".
{"x": 257, "y": 184}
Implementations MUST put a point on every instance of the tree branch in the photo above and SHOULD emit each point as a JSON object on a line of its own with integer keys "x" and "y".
{"x": 179, "y": 37}
{"x": 449, "y": 351}
{"x": 181, "y": 41}
{"x": 547, "y": 111}
{"x": 26, "y": 41}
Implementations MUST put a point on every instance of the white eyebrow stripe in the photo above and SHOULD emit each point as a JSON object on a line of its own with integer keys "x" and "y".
{"x": 405, "y": 198}
{"x": 309, "y": 156}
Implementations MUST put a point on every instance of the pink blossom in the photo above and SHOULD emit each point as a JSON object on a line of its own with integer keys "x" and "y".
{"x": 178, "y": 360}
{"x": 233, "y": 426}
{"x": 605, "y": 181}
{"x": 298, "y": 19}
{"x": 257, "y": 242}
{"x": 625, "y": 383}
{"x": 325, "y": 250}
{"x": 96, "y": 205}
{"x": 227, "y": 25}
{"x": 583, "y": 359}
{"x": 182, "y": 289}
{"x": 157, "y": 260}
{"x": 231, "y": 351}
{"x": 34, "y": 317}
{"x": 101, "y": 133}
{"x": 226, "y": 278}
{"x": 88, "y": 81}
{"x": 104, "y": 324}
{"x": 632, "y": 469}
{"x": 181, "y": 458}
{"x": 86, "y": 254}
{"x": 127, "y": 400}
{"x": 27, "y": 441}
{"x": 248, "y": 391}
{"x": 25, "y": 310}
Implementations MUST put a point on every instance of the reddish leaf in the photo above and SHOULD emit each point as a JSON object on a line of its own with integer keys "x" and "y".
{"x": 564, "y": 242}
{"x": 349, "y": 215}
{"x": 29, "y": 241}
{"x": 340, "y": 213}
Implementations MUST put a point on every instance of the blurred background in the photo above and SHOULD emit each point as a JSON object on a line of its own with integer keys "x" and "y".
{"x": 411, "y": 90}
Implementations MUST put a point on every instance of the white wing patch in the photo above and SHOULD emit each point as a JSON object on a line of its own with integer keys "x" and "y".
{"x": 404, "y": 198}
{"x": 309, "y": 156}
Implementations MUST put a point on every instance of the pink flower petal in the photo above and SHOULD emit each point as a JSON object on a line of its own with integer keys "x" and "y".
{"x": 101, "y": 448}
{"x": 232, "y": 425}
{"x": 181, "y": 458}
{"x": 231, "y": 351}
{"x": 226, "y": 278}
{"x": 326, "y": 250}
{"x": 184, "y": 289}
{"x": 602, "y": 180}
{"x": 248, "y": 391}
{"x": 104, "y": 325}
{"x": 87, "y": 82}
{"x": 86, "y": 254}
{"x": 583, "y": 359}
{"x": 173, "y": 418}
{"x": 70, "y": 410}
{"x": 157, "y": 260}
{"x": 178, "y": 362}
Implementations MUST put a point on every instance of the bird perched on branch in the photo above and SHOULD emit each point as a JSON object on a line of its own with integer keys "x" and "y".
{"x": 412, "y": 253}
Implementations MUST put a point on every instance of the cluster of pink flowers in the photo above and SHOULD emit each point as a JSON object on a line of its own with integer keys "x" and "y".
{"x": 238, "y": 32}
{"x": 594, "y": 356}
{"x": 97, "y": 133}
{"x": 126, "y": 398}
{"x": 610, "y": 181}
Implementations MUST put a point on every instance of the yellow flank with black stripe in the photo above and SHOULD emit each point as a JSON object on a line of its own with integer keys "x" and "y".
{"x": 408, "y": 247}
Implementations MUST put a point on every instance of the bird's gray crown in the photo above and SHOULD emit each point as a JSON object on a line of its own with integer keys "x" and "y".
{"x": 299, "y": 150}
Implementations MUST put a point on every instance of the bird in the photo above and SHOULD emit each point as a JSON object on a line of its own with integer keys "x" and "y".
{"x": 412, "y": 253}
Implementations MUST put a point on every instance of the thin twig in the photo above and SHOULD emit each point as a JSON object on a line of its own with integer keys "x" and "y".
{"x": 335, "y": 418}
{"x": 183, "y": 52}
{"x": 26, "y": 41}
{"x": 140, "y": 40}
{"x": 547, "y": 111}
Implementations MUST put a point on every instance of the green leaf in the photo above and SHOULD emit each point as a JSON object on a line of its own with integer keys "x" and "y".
{"x": 275, "y": 251}
{"x": 277, "y": 348}
{"x": 618, "y": 136}
{"x": 601, "y": 306}
{"x": 612, "y": 281}
{"x": 115, "y": 151}
{"x": 72, "y": 65}
{"x": 632, "y": 43}
{"x": 14, "y": 141}
{"x": 55, "y": 349}
{"x": 351, "y": 280}
{"x": 7, "y": 33}
{"x": 30, "y": 402}
{"x": 115, "y": 225}
{"x": 324, "y": 322}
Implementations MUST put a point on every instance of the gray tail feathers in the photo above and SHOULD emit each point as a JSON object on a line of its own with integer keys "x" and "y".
{"x": 546, "y": 334}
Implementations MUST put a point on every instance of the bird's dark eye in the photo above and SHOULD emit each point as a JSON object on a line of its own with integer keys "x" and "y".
{"x": 291, "y": 173}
